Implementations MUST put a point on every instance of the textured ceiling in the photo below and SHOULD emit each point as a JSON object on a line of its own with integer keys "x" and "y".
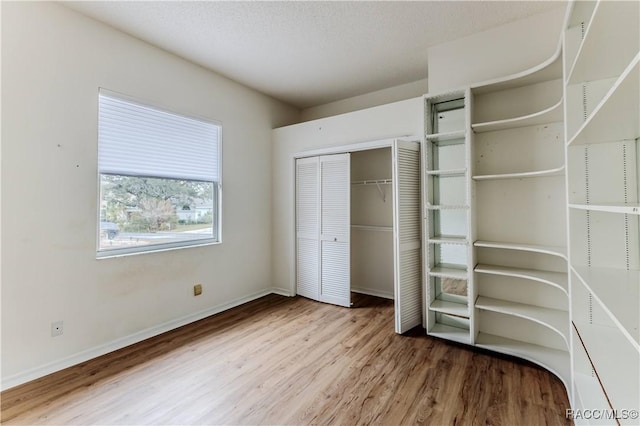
{"x": 308, "y": 53}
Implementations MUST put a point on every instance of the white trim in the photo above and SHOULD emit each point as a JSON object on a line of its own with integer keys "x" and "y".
{"x": 282, "y": 291}
{"x": 91, "y": 353}
{"x": 373, "y": 292}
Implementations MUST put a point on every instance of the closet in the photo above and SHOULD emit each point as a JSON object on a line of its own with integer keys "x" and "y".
{"x": 358, "y": 225}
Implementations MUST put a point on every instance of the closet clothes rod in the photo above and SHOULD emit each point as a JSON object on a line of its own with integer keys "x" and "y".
{"x": 372, "y": 228}
{"x": 377, "y": 183}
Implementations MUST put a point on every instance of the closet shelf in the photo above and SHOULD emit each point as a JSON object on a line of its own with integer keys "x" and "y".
{"x": 549, "y": 115}
{"x": 620, "y": 371}
{"x": 540, "y": 173}
{"x": 618, "y": 292}
{"x": 554, "y": 360}
{"x": 550, "y": 250}
{"x": 611, "y": 37}
{"x": 451, "y": 308}
{"x": 556, "y": 279}
{"x": 372, "y": 228}
{"x": 446, "y": 136}
{"x": 440, "y": 271}
{"x": 610, "y": 208}
{"x": 372, "y": 182}
{"x": 446, "y": 207}
{"x": 452, "y": 172}
{"x": 448, "y": 332}
{"x": 448, "y": 240}
{"x": 615, "y": 117}
{"x": 554, "y": 319}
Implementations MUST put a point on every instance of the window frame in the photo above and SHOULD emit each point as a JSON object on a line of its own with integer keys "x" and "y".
{"x": 217, "y": 186}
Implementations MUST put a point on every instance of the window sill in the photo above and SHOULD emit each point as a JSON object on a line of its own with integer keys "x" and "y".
{"x": 109, "y": 254}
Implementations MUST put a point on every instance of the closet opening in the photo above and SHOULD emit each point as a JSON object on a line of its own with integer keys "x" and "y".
{"x": 358, "y": 227}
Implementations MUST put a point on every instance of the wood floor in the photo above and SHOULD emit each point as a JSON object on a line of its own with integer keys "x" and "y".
{"x": 281, "y": 360}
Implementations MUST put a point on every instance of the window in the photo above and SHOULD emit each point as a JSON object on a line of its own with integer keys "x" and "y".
{"x": 159, "y": 178}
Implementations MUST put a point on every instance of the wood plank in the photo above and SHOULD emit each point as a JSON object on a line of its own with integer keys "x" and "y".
{"x": 281, "y": 360}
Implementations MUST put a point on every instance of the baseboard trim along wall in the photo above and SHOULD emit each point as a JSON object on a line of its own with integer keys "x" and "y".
{"x": 97, "y": 351}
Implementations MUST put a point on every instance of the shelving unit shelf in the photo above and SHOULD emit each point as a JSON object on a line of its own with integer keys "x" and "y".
{"x": 555, "y": 279}
{"x": 451, "y": 308}
{"x": 548, "y": 115}
{"x": 618, "y": 292}
{"x": 554, "y": 360}
{"x": 554, "y": 319}
{"x": 534, "y": 248}
{"x": 557, "y": 171}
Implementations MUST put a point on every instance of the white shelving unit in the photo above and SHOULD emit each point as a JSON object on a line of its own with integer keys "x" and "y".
{"x": 602, "y": 121}
{"x": 522, "y": 307}
{"x": 541, "y": 173}
{"x": 448, "y": 230}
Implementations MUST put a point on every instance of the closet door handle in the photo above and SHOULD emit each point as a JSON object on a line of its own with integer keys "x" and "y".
{"x": 335, "y": 238}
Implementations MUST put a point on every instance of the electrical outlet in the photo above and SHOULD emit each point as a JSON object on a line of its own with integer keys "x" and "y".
{"x": 197, "y": 289}
{"x": 57, "y": 328}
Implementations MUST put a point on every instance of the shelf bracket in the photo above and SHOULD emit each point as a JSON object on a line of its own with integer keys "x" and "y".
{"x": 382, "y": 194}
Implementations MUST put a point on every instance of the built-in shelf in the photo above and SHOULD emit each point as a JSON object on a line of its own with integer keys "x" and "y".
{"x": 618, "y": 292}
{"x": 549, "y": 115}
{"x": 446, "y": 207}
{"x": 556, "y": 279}
{"x": 448, "y": 332}
{"x": 553, "y": 319}
{"x": 615, "y": 117}
{"x": 610, "y": 208}
{"x": 443, "y": 272}
{"x": 451, "y": 308}
{"x": 581, "y": 13}
{"x": 448, "y": 240}
{"x": 372, "y": 228}
{"x": 610, "y": 40}
{"x": 615, "y": 362}
{"x": 589, "y": 392}
{"x": 446, "y": 136}
{"x": 538, "y": 173}
{"x": 550, "y": 250}
{"x": 372, "y": 182}
{"x": 554, "y": 360}
{"x": 452, "y": 172}
{"x": 551, "y": 69}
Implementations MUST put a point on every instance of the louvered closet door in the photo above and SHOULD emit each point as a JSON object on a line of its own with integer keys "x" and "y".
{"x": 308, "y": 227}
{"x": 335, "y": 229}
{"x": 407, "y": 235}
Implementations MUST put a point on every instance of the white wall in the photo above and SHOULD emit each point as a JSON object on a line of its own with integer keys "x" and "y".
{"x": 396, "y": 119}
{"x": 53, "y": 61}
{"x": 368, "y": 100}
{"x": 497, "y": 52}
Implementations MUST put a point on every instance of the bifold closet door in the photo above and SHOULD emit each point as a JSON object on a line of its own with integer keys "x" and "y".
{"x": 308, "y": 227}
{"x": 407, "y": 235}
{"x": 323, "y": 227}
{"x": 335, "y": 229}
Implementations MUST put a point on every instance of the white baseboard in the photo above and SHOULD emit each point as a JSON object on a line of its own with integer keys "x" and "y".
{"x": 282, "y": 291}
{"x": 373, "y": 292}
{"x": 52, "y": 367}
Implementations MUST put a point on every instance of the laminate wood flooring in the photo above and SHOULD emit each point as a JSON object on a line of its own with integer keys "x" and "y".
{"x": 281, "y": 360}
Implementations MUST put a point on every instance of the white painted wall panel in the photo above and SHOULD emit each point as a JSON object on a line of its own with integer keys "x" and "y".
{"x": 53, "y": 62}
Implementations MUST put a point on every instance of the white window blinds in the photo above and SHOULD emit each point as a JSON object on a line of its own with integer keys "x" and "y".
{"x": 137, "y": 140}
